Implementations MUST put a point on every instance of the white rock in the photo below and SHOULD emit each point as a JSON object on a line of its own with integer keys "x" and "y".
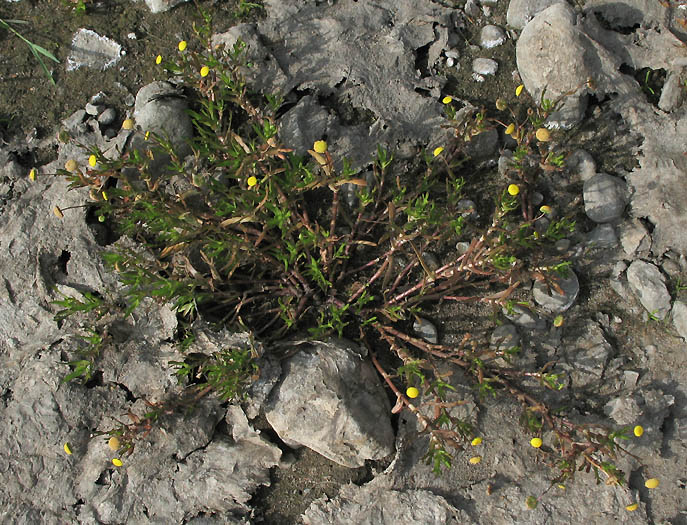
{"x": 491, "y": 36}
{"x": 89, "y": 49}
{"x": 605, "y": 197}
{"x": 485, "y": 66}
{"x": 648, "y": 284}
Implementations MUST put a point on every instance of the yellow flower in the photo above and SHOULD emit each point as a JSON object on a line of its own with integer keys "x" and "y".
{"x": 32, "y": 174}
{"x": 651, "y": 483}
{"x": 447, "y": 99}
{"x": 117, "y": 462}
{"x": 476, "y": 459}
{"x": 558, "y": 321}
{"x": 147, "y": 135}
{"x": 476, "y": 441}
{"x": 252, "y": 181}
{"x": 545, "y": 209}
{"x": 543, "y": 135}
{"x": 92, "y": 161}
{"x": 67, "y": 449}
{"x": 320, "y": 146}
{"x": 204, "y": 71}
{"x": 501, "y": 104}
{"x": 638, "y": 430}
{"x": 113, "y": 443}
{"x": 58, "y": 212}
{"x": 438, "y": 151}
{"x": 536, "y": 442}
{"x": 70, "y": 165}
{"x": 128, "y": 124}
{"x": 182, "y": 45}
{"x": 105, "y": 197}
{"x": 518, "y": 90}
{"x": 510, "y": 129}
{"x": 513, "y": 189}
{"x": 158, "y": 60}
{"x": 632, "y": 508}
{"x": 412, "y": 392}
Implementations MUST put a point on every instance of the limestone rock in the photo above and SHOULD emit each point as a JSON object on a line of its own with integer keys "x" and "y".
{"x": 604, "y": 197}
{"x": 520, "y": 12}
{"x": 551, "y": 300}
{"x": 648, "y": 284}
{"x": 330, "y": 400}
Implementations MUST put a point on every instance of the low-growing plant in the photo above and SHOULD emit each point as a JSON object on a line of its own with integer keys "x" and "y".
{"x": 37, "y": 51}
{"x": 249, "y": 235}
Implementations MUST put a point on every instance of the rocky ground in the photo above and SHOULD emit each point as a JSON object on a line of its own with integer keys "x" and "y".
{"x": 359, "y": 73}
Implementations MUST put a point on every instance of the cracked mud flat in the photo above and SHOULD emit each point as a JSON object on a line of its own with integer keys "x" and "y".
{"x": 359, "y": 73}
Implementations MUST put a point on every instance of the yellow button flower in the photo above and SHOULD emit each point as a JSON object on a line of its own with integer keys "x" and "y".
{"x": 513, "y": 189}
{"x": 545, "y": 209}
{"x": 510, "y": 129}
{"x": 638, "y": 430}
{"x": 158, "y": 60}
{"x": 32, "y": 174}
{"x": 117, "y": 462}
{"x": 447, "y": 99}
{"x": 92, "y": 161}
{"x": 651, "y": 483}
{"x": 558, "y": 321}
{"x": 67, "y": 449}
{"x": 70, "y": 165}
{"x": 204, "y": 71}
{"x": 128, "y": 124}
{"x": 518, "y": 90}
{"x": 632, "y": 508}
{"x": 182, "y": 45}
{"x": 320, "y": 146}
{"x": 58, "y": 212}
{"x": 412, "y": 392}
{"x": 536, "y": 442}
{"x": 113, "y": 443}
{"x": 104, "y": 194}
{"x": 252, "y": 181}
{"x": 501, "y": 104}
{"x": 543, "y": 135}
{"x": 475, "y": 460}
{"x": 476, "y": 441}
{"x": 438, "y": 151}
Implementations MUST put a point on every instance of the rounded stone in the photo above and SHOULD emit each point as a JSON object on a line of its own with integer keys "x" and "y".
{"x": 491, "y": 36}
{"x": 485, "y": 66}
{"x": 604, "y": 197}
{"x": 107, "y": 117}
{"x": 551, "y": 300}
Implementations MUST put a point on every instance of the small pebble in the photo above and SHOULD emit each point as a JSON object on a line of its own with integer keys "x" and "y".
{"x": 107, "y": 117}
{"x": 491, "y": 36}
{"x": 485, "y": 66}
{"x": 426, "y": 330}
{"x": 94, "y": 109}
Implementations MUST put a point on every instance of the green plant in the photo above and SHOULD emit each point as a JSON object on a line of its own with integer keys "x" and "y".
{"x": 38, "y": 51}
{"x": 248, "y": 235}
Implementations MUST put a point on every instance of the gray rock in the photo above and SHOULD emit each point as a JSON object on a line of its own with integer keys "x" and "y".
{"x": 426, "y": 330}
{"x": 483, "y": 146}
{"x": 568, "y": 114}
{"x": 485, "y": 66}
{"x": 634, "y": 237}
{"x": 505, "y": 336}
{"x": 552, "y": 301}
{"x": 623, "y": 410}
{"x": 604, "y": 197}
{"x": 89, "y": 49}
{"x": 672, "y": 93}
{"x": 160, "y": 6}
{"x": 160, "y": 109}
{"x": 679, "y": 316}
{"x": 524, "y": 317}
{"x": 491, "y": 36}
{"x": 520, "y": 12}
{"x": 94, "y": 109}
{"x": 553, "y": 54}
{"x": 603, "y": 236}
{"x": 582, "y": 164}
{"x": 107, "y": 117}
{"x": 467, "y": 208}
{"x": 74, "y": 124}
{"x": 303, "y": 124}
{"x": 586, "y": 354}
{"x": 562, "y": 245}
{"x": 648, "y": 284}
{"x": 472, "y": 9}
{"x": 372, "y": 505}
{"x": 330, "y": 400}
